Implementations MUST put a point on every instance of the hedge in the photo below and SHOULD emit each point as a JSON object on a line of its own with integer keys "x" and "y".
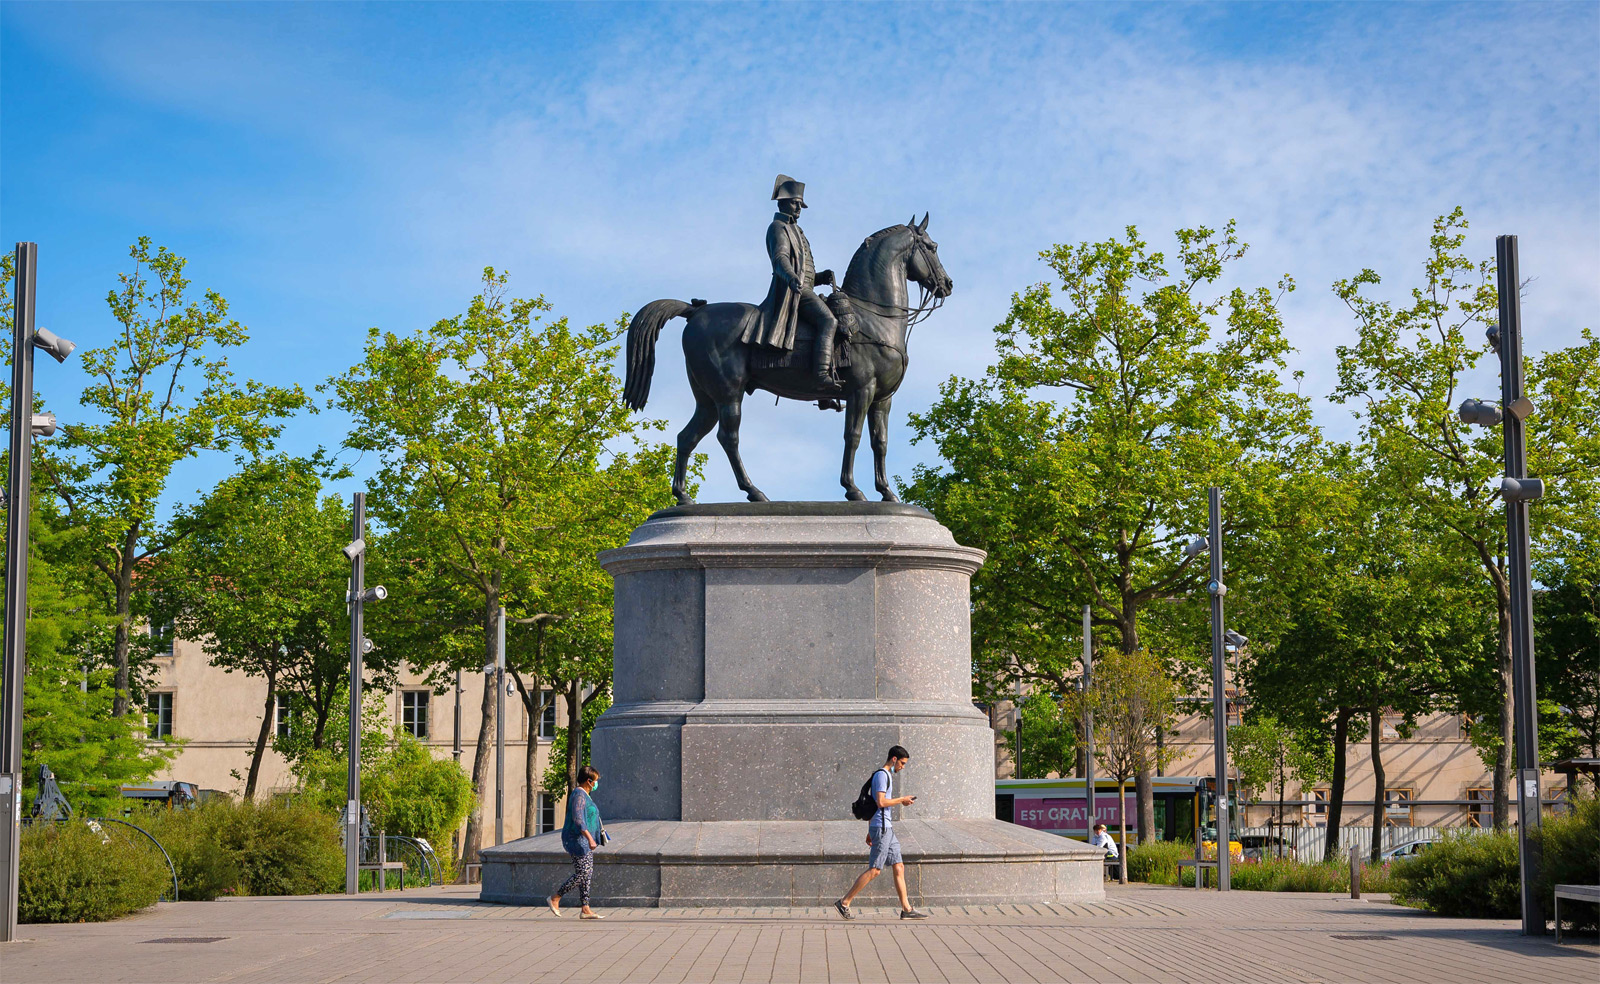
{"x": 70, "y": 872}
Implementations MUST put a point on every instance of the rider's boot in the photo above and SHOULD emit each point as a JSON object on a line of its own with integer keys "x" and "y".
{"x": 824, "y": 377}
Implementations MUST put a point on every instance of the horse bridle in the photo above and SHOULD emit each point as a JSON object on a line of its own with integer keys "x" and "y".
{"x": 927, "y": 303}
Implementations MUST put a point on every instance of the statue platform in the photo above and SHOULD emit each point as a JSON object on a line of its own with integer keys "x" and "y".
{"x": 767, "y": 655}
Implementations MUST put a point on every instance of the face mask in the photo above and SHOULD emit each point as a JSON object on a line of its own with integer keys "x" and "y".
{"x": 596, "y": 787}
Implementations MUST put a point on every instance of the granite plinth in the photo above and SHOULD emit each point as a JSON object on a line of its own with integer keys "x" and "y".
{"x": 801, "y": 863}
{"x": 767, "y": 655}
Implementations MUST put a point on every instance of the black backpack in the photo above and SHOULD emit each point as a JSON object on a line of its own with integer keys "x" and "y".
{"x": 866, "y": 804}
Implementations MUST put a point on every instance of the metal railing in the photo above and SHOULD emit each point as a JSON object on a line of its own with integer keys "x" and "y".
{"x": 93, "y": 823}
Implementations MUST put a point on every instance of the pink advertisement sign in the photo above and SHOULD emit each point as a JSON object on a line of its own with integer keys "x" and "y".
{"x": 1065, "y": 815}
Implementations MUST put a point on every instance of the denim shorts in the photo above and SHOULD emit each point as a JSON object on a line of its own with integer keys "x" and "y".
{"x": 885, "y": 851}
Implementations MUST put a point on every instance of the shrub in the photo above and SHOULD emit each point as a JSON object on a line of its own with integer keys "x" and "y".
{"x": 1157, "y": 861}
{"x": 205, "y": 867}
{"x": 283, "y": 848}
{"x": 1570, "y": 846}
{"x": 71, "y": 873}
{"x": 1474, "y": 876}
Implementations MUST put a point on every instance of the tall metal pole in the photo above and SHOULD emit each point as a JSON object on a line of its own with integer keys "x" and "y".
{"x": 16, "y": 652}
{"x": 1524, "y": 692}
{"x": 500, "y": 727}
{"x": 1219, "y": 694}
{"x": 1088, "y": 731}
{"x": 352, "y": 823}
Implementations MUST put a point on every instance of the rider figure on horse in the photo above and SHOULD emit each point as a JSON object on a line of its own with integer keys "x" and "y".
{"x": 792, "y": 298}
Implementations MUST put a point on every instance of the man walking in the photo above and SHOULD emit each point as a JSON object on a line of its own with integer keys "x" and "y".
{"x": 882, "y": 847}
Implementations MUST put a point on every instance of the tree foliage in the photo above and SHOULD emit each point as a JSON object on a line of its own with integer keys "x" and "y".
{"x": 163, "y": 393}
{"x": 506, "y": 459}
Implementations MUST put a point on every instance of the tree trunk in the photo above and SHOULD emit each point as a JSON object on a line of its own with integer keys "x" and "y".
{"x": 574, "y": 732}
{"x": 1378, "y": 790}
{"x": 1341, "y": 738}
{"x": 529, "y": 692}
{"x": 1144, "y": 793}
{"x": 262, "y": 735}
{"x": 473, "y": 841}
{"x": 1122, "y": 835}
{"x": 123, "y": 584}
{"x": 1282, "y": 779}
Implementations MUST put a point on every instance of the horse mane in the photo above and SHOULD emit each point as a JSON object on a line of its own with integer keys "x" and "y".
{"x": 868, "y": 253}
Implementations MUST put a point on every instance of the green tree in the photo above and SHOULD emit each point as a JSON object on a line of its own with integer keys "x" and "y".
{"x": 1379, "y": 628}
{"x": 1049, "y": 737}
{"x": 164, "y": 393}
{"x": 1404, "y": 375}
{"x": 1567, "y": 647}
{"x": 1268, "y": 754}
{"x": 1080, "y": 461}
{"x": 258, "y": 580}
{"x": 1129, "y": 698}
{"x": 502, "y": 444}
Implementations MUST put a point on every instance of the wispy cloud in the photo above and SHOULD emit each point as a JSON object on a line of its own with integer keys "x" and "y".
{"x": 609, "y": 156}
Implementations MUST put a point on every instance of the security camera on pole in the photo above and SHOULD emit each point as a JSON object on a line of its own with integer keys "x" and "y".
{"x": 1517, "y": 489}
{"x": 25, "y": 426}
{"x": 360, "y": 645}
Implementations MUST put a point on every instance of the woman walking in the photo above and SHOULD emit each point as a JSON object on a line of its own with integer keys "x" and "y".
{"x": 579, "y": 835}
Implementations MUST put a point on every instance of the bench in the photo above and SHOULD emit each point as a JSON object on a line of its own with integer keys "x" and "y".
{"x": 383, "y": 865}
{"x": 471, "y": 868}
{"x": 1113, "y": 864}
{"x": 1575, "y": 893}
{"x": 1199, "y": 866}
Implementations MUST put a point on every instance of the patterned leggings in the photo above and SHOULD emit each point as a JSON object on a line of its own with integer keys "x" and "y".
{"x": 582, "y": 875}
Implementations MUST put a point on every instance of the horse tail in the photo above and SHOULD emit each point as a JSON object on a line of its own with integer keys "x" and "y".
{"x": 642, "y": 334}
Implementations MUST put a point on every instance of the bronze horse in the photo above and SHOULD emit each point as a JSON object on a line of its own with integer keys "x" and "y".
{"x": 722, "y": 370}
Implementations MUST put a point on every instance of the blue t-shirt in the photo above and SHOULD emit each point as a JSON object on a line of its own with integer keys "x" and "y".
{"x": 881, "y": 784}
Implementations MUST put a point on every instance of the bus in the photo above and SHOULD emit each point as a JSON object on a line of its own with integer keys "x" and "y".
{"x": 1058, "y": 806}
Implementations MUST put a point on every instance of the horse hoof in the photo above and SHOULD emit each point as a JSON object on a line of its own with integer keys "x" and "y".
{"x": 756, "y": 495}
{"x": 889, "y": 496}
{"x": 684, "y": 500}
{"x": 856, "y": 495}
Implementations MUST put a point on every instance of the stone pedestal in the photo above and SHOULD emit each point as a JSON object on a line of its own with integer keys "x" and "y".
{"x": 767, "y": 655}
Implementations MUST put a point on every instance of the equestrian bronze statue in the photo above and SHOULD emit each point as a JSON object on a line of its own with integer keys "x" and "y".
{"x": 850, "y": 345}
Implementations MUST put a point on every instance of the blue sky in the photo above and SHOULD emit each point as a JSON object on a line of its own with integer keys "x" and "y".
{"x": 330, "y": 167}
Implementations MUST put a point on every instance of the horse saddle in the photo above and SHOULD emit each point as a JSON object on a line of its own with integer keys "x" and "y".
{"x": 803, "y": 354}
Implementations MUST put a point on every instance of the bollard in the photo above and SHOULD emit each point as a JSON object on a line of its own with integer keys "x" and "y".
{"x": 1355, "y": 872}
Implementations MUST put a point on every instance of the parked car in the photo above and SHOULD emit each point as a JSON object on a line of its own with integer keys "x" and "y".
{"x": 1257, "y": 846}
{"x": 1410, "y": 849}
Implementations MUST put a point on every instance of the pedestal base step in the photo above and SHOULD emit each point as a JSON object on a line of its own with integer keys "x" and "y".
{"x": 659, "y": 863}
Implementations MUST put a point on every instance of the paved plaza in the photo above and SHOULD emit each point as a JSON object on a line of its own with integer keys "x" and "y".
{"x": 1140, "y": 933}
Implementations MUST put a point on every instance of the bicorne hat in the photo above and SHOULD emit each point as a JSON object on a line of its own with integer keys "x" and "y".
{"x": 784, "y": 186}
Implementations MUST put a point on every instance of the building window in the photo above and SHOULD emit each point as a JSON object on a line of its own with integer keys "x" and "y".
{"x": 1236, "y": 713}
{"x": 161, "y": 638}
{"x": 414, "y": 712}
{"x": 547, "y": 715}
{"x": 282, "y": 712}
{"x": 1319, "y": 807}
{"x": 547, "y": 813}
{"x": 1390, "y": 727}
{"x": 1397, "y": 807}
{"x": 159, "y": 708}
{"x": 1480, "y": 809}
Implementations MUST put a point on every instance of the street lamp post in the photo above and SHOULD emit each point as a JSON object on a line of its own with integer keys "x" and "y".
{"x": 500, "y": 728}
{"x": 357, "y": 597}
{"x": 1219, "y": 694}
{"x": 25, "y": 425}
{"x": 1517, "y": 489}
{"x": 1089, "y": 800}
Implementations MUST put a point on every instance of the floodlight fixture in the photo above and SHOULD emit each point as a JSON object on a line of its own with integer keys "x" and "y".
{"x": 1521, "y": 489}
{"x": 1479, "y": 413}
{"x": 356, "y": 548}
{"x": 1492, "y": 333}
{"x": 1235, "y": 640}
{"x": 375, "y": 593}
{"x": 1520, "y": 407}
{"x": 43, "y": 425}
{"x": 367, "y": 645}
{"x": 1216, "y": 588}
{"x": 1196, "y": 547}
{"x": 58, "y": 347}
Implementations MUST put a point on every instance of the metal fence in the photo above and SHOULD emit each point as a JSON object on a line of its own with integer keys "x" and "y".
{"x": 1309, "y": 843}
